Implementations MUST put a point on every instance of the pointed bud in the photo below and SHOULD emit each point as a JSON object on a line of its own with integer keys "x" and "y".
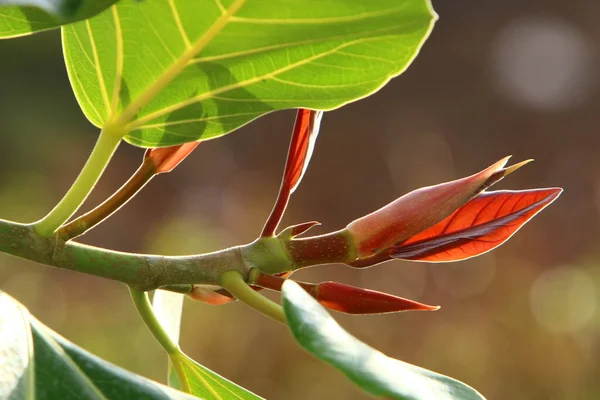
{"x": 419, "y": 209}
{"x": 167, "y": 158}
{"x": 348, "y": 299}
{"x": 353, "y": 300}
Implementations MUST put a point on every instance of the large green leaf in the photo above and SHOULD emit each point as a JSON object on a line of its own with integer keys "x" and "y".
{"x": 17, "y": 380}
{"x": 62, "y": 370}
{"x": 22, "y": 17}
{"x": 181, "y": 70}
{"x": 370, "y": 369}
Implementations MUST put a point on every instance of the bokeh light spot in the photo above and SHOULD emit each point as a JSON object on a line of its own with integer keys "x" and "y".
{"x": 544, "y": 63}
{"x": 563, "y": 299}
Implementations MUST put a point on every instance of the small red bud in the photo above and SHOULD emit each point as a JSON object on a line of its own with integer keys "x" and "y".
{"x": 167, "y": 158}
{"x": 209, "y": 296}
{"x": 353, "y": 300}
{"x": 349, "y": 299}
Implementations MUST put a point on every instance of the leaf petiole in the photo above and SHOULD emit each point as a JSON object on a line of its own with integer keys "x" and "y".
{"x": 144, "y": 308}
{"x": 234, "y": 283}
{"x": 105, "y": 147}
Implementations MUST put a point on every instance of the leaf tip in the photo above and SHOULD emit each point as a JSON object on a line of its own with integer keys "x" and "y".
{"x": 513, "y": 168}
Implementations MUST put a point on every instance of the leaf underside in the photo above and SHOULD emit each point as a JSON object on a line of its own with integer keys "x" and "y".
{"x": 265, "y": 57}
{"x": 370, "y": 369}
{"x": 479, "y": 226}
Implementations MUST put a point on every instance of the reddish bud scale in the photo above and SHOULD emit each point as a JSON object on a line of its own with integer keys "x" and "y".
{"x": 209, "y": 296}
{"x": 167, "y": 158}
{"x": 415, "y": 212}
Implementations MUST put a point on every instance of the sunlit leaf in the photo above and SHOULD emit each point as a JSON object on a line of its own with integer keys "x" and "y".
{"x": 479, "y": 226}
{"x": 370, "y": 369}
{"x": 183, "y": 70}
{"x": 209, "y": 385}
{"x": 168, "y": 307}
{"x": 23, "y": 17}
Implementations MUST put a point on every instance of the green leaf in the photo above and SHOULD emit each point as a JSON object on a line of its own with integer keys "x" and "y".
{"x": 202, "y": 381}
{"x": 23, "y": 17}
{"x": 207, "y": 384}
{"x": 370, "y": 369}
{"x": 169, "y": 72}
{"x": 62, "y": 370}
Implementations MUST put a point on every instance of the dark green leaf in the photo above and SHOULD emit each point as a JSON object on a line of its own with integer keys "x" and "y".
{"x": 17, "y": 380}
{"x": 169, "y": 72}
{"x": 62, "y": 370}
{"x": 22, "y": 17}
{"x": 370, "y": 369}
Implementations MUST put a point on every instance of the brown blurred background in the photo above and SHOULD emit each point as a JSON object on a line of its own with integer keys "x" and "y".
{"x": 495, "y": 78}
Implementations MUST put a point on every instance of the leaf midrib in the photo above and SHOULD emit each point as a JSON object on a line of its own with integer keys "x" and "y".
{"x": 173, "y": 71}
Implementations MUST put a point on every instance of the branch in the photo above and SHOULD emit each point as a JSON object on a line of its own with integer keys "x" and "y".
{"x": 140, "y": 271}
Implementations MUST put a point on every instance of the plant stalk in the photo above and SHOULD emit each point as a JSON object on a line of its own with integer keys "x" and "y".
{"x": 136, "y": 182}
{"x": 234, "y": 283}
{"x": 105, "y": 147}
{"x": 144, "y": 308}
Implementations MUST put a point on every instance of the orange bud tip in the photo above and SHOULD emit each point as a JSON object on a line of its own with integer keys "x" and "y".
{"x": 209, "y": 296}
{"x": 167, "y": 158}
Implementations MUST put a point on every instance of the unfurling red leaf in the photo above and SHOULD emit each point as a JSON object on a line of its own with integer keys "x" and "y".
{"x": 167, "y": 158}
{"x": 304, "y": 135}
{"x": 302, "y": 145}
{"x": 420, "y": 209}
{"x": 479, "y": 226}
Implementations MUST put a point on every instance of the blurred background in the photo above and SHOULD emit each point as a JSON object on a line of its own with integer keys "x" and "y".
{"x": 495, "y": 78}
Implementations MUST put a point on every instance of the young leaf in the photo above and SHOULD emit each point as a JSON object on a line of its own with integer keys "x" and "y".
{"x": 208, "y": 385}
{"x": 479, "y": 226}
{"x": 23, "y": 17}
{"x": 304, "y": 136}
{"x": 370, "y": 369}
{"x": 210, "y": 67}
